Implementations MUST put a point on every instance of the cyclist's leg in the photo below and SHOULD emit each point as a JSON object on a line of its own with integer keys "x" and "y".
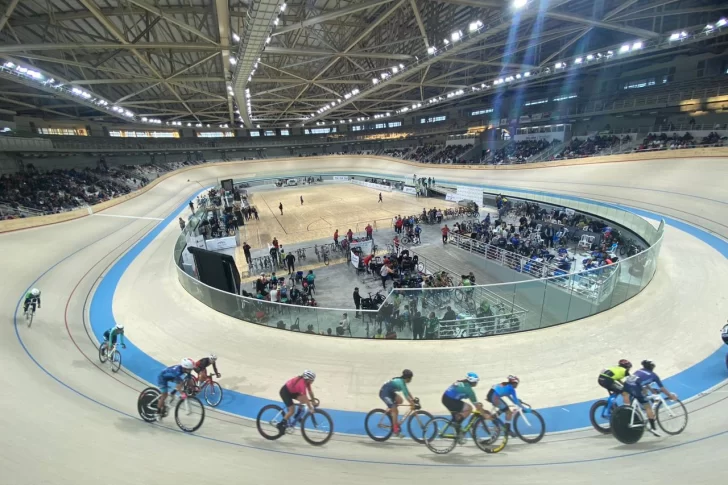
{"x": 287, "y": 397}
{"x": 164, "y": 388}
{"x": 201, "y": 377}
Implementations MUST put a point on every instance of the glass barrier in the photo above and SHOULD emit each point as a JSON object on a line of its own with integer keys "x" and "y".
{"x": 442, "y": 310}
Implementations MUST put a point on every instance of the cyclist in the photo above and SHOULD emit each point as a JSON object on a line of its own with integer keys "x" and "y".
{"x": 30, "y": 297}
{"x": 418, "y": 231}
{"x": 112, "y": 334}
{"x": 176, "y": 374}
{"x": 724, "y": 333}
{"x": 505, "y": 389}
{"x": 612, "y": 378}
{"x": 201, "y": 368}
{"x": 298, "y": 388}
{"x": 388, "y": 394}
{"x": 639, "y": 382}
{"x": 453, "y": 397}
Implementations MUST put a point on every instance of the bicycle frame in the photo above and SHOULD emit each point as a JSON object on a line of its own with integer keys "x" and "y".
{"x": 654, "y": 400}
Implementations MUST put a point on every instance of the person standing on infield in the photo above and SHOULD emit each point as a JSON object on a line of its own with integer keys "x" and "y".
{"x": 380, "y": 197}
{"x": 280, "y": 206}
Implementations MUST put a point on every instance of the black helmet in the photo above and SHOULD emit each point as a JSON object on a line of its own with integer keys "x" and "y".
{"x": 407, "y": 374}
{"x": 624, "y": 363}
{"x": 648, "y": 364}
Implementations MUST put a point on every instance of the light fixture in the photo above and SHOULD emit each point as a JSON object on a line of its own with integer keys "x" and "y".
{"x": 283, "y": 7}
{"x": 475, "y": 25}
{"x": 590, "y": 57}
{"x": 395, "y": 70}
{"x": 721, "y": 22}
{"x": 455, "y": 36}
{"x": 624, "y": 49}
{"x": 517, "y": 4}
{"x": 578, "y": 60}
{"x": 236, "y": 37}
{"x": 275, "y": 22}
{"x": 559, "y": 65}
{"x": 233, "y": 61}
{"x": 267, "y": 41}
{"x": 445, "y": 41}
{"x": 375, "y": 80}
{"x": 431, "y": 50}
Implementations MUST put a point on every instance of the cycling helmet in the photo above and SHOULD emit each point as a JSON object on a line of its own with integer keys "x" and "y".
{"x": 407, "y": 374}
{"x": 120, "y": 326}
{"x": 35, "y": 292}
{"x": 213, "y": 357}
{"x": 513, "y": 379}
{"x": 309, "y": 374}
{"x": 472, "y": 378}
{"x": 187, "y": 363}
{"x": 625, "y": 364}
{"x": 648, "y": 364}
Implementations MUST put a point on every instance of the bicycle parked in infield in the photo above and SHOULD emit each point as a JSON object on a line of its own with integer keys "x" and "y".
{"x": 378, "y": 423}
{"x": 211, "y": 390}
{"x": 112, "y": 355}
{"x": 317, "y": 427}
{"x": 443, "y": 434}
{"x": 672, "y": 419}
{"x": 189, "y": 413}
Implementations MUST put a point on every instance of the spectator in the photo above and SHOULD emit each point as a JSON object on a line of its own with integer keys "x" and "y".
{"x": 357, "y": 302}
{"x": 346, "y": 324}
{"x": 418, "y": 326}
{"x": 384, "y": 273}
{"x": 349, "y": 235}
{"x": 181, "y": 224}
{"x": 246, "y": 251}
{"x": 445, "y": 231}
{"x": 369, "y": 231}
{"x": 280, "y": 207}
{"x": 449, "y": 315}
{"x": 192, "y": 207}
{"x": 290, "y": 260}
{"x": 336, "y": 237}
{"x": 433, "y": 327}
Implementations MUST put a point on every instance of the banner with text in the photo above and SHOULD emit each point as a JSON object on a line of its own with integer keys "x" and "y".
{"x": 471, "y": 193}
{"x": 386, "y": 188}
{"x": 341, "y": 178}
{"x": 354, "y": 260}
{"x": 409, "y": 190}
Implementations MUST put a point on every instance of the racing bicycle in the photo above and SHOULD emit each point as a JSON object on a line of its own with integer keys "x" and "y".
{"x": 601, "y": 411}
{"x": 378, "y": 423}
{"x": 628, "y": 422}
{"x": 317, "y": 427}
{"x": 211, "y": 390}
{"x": 112, "y": 355}
{"x": 189, "y": 413}
{"x": 528, "y": 424}
{"x": 30, "y": 312}
{"x": 443, "y": 434}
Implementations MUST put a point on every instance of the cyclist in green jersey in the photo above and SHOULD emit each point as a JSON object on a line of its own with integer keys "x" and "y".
{"x": 388, "y": 394}
{"x": 112, "y": 334}
{"x": 612, "y": 379}
{"x": 33, "y": 296}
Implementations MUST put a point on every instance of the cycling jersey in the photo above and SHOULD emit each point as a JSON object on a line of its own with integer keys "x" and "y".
{"x": 507, "y": 390}
{"x": 643, "y": 377}
{"x": 204, "y": 363}
{"x": 112, "y": 334}
{"x": 297, "y": 386}
{"x": 461, "y": 390}
{"x": 396, "y": 385}
{"x": 616, "y": 373}
{"x": 724, "y": 332}
{"x": 171, "y": 374}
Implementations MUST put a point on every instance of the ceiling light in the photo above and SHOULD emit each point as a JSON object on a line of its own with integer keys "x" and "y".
{"x": 624, "y": 49}
{"x": 590, "y": 57}
{"x": 233, "y": 61}
{"x": 395, "y": 70}
{"x": 283, "y": 7}
{"x": 455, "y": 36}
{"x": 519, "y": 4}
{"x": 267, "y": 41}
{"x": 475, "y": 25}
{"x": 275, "y": 22}
{"x": 236, "y": 37}
{"x": 431, "y": 50}
{"x": 579, "y": 60}
{"x": 445, "y": 41}
{"x": 721, "y": 22}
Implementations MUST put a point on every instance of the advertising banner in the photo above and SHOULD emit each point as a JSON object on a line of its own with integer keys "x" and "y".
{"x": 409, "y": 190}
{"x": 354, "y": 260}
{"x": 365, "y": 246}
{"x": 385, "y": 188}
{"x": 221, "y": 243}
{"x": 341, "y": 178}
{"x": 471, "y": 193}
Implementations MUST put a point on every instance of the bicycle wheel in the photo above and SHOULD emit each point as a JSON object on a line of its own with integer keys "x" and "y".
{"x": 267, "y": 421}
{"x": 440, "y": 436}
{"x": 672, "y": 419}
{"x": 459, "y": 295}
{"x": 378, "y": 425}
{"x": 213, "y": 393}
{"x": 488, "y": 435}
{"x": 116, "y": 361}
{"x": 147, "y": 404}
{"x": 190, "y": 386}
{"x": 416, "y": 425}
{"x": 102, "y": 352}
{"x": 406, "y": 241}
{"x": 189, "y": 414}
{"x": 29, "y": 317}
{"x": 529, "y": 428}
{"x": 317, "y": 427}
{"x": 326, "y": 259}
{"x": 599, "y": 416}
{"x": 421, "y": 267}
{"x": 621, "y": 428}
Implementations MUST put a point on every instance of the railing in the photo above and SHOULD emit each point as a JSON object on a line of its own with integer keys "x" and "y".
{"x": 479, "y": 310}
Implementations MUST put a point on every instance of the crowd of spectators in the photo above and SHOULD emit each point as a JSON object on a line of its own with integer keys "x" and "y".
{"x": 396, "y": 152}
{"x": 520, "y": 151}
{"x": 423, "y": 152}
{"x": 662, "y": 141}
{"x": 591, "y": 146}
{"x": 451, "y": 154}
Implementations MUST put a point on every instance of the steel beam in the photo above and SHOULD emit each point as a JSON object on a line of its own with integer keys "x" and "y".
{"x": 222, "y": 10}
{"x": 8, "y": 12}
{"x": 15, "y": 48}
{"x": 159, "y": 11}
{"x": 418, "y": 17}
{"x": 330, "y": 16}
{"x": 287, "y": 51}
{"x": 647, "y": 34}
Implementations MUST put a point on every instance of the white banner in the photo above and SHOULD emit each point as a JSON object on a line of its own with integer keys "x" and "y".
{"x": 453, "y": 197}
{"x": 354, "y": 260}
{"x": 471, "y": 193}
{"x": 221, "y": 243}
{"x": 341, "y": 178}
{"x": 386, "y": 188}
{"x": 365, "y": 246}
{"x": 196, "y": 241}
{"x": 409, "y": 190}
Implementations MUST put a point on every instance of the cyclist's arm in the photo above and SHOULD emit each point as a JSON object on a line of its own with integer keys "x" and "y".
{"x": 310, "y": 393}
{"x": 121, "y": 339}
{"x": 663, "y": 389}
{"x": 214, "y": 367}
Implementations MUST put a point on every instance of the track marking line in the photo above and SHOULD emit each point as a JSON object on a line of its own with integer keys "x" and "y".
{"x": 130, "y": 217}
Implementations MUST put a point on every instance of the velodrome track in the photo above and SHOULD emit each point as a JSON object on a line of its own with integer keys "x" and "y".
{"x": 63, "y": 420}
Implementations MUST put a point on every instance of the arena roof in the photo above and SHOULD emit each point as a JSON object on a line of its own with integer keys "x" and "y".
{"x": 234, "y": 63}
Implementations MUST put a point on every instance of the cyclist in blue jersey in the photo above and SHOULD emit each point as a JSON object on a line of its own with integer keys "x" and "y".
{"x": 639, "y": 382}
{"x": 388, "y": 394}
{"x": 453, "y": 397}
{"x": 505, "y": 389}
{"x": 176, "y": 374}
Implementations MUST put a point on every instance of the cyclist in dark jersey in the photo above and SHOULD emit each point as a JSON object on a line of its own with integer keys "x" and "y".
{"x": 201, "y": 368}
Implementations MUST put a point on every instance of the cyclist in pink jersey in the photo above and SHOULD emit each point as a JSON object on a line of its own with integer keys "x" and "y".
{"x": 298, "y": 388}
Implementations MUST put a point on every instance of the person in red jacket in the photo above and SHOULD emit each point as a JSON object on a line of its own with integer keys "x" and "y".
{"x": 349, "y": 235}
{"x": 336, "y": 237}
{"x": 445, "y": 231}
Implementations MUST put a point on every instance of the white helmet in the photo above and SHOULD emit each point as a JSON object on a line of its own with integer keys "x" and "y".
{"x": 309, "y": 374}
{"x": 120, "y": 326}
{"x": 187, "y": 363}
{"x": 35, "y": 292}
{"x": 213, "y": 357}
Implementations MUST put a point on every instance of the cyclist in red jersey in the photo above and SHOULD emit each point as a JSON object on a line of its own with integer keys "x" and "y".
{"x": 201, "y": 368}
{"x": 298, "y": 388}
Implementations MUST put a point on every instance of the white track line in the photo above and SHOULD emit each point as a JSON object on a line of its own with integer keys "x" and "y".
{"x": 131, "y": 217}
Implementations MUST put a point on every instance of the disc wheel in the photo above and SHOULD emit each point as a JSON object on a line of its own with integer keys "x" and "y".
{"x": 672, "y": 419}
{"x": 620, "y": 424}
{"x": 212, "y": 393}
{"x": 189, "y": 414}
{"x": 531, "y": 431}
{"x": 147, "y": 404}
{"x": 116, "y": 361}
{"x": 317, "y": 427}
{"x": 378, "y": 425}
{"x": 440, "y": 436}
{"x": 416, "y": 425}
{"x": 267, "y": 421}
{"x": 599, "y": 416}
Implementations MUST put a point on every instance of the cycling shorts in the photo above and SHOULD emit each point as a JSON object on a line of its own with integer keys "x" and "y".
{"x": 496, "y": 400}
{"x": 635, "y": 391}
{"x": 453, "y": 405}
{"x": 388, "y": 395}
{"x": 165, "y": 384}
{"x": 287, "y": 396}
{"x": 614, "y": 387}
